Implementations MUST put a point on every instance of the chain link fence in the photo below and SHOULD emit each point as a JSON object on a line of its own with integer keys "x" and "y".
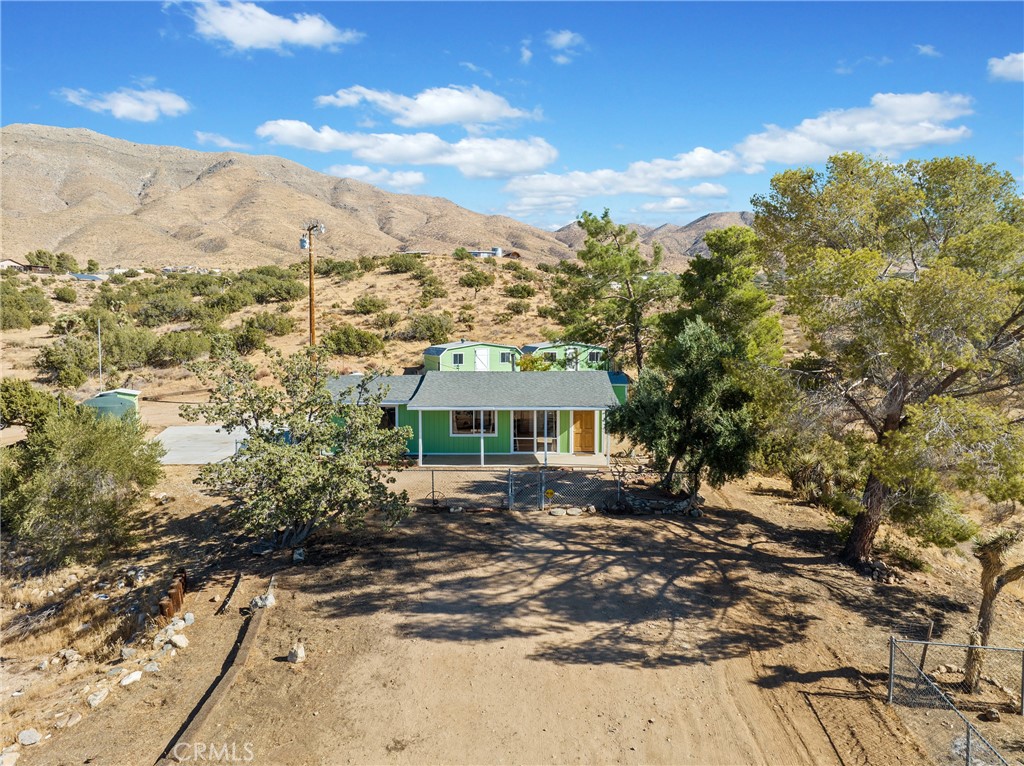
{"x": 931, "y": 713}
{"x": 508, "y": 489}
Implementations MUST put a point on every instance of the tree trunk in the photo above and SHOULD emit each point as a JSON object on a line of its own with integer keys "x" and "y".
{"x": 671, "y": 473}
{"x": 865, "y": 525}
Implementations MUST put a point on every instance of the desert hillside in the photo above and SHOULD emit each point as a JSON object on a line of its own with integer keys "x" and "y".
{"x": 122, "y": 203}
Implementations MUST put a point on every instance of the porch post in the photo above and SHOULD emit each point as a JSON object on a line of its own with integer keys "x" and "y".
{"x": 419, "y": 433}
{"x": 606, "y": 437}
{"x": 482, "y": 436}
{"x": 545, "y": 437}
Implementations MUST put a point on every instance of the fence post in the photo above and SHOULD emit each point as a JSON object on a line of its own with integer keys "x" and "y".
{"x": 969, "y": 744}
{"x": 927, "y": 640}
{"x": 892, "y": 667}
{"x": 540, "y": 492}
{"x": 511, "y": 493}
{"x": 433, "y": 492}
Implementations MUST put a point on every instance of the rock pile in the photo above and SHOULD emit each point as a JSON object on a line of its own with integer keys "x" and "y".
{"x": 642, "y": 506}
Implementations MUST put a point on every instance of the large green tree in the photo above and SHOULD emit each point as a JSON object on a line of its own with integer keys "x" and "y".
{"x": 72, "y": 490}
{"x": 612, "y": 294}
{"x": 690, "y": 413}
{"x": 908, "y": 280}
{"x": 309, "y": 459}
{"x": 721, "y": 289}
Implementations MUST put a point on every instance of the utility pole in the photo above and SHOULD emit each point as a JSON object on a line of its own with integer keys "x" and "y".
{"x": 306, "y": 243}
{"x": 99, "y": 345}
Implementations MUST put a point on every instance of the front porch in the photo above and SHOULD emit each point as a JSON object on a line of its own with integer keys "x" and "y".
{"x": 532, "y": 459}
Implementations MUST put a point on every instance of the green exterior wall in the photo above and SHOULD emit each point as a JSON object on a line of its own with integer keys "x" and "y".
{"x": 437, "y": 438}
{"x": 584, "y": 351}
{"x": 620, "y": 393}
{"x": 444, "y": 363}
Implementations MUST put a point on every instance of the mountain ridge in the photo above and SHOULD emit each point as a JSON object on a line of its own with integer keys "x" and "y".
{"x": 125, "y": 203}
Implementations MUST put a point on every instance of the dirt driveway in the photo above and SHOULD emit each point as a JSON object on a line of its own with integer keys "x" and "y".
{"x": 523, "y": 638}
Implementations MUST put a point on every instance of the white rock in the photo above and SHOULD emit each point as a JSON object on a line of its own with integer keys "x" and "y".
{"x": 189, "y": 618}
{"x": 298, "y": 653}
{"x": 127, "y": 652}
{"x": 29, "y": 737}
{"x": 75, "y": 718}
{"x": 557, "y": 512}
{"x": 131, "y": 678}
{"x": 262, "y": 602}
{"x": 9, "y": 759}
{"x": 152, "y": 667}
{"x": 215, "y": 599}
{"x": 574, "y": 512}
{"x": 179, "y": 641}
{"x": 298, "y": 555}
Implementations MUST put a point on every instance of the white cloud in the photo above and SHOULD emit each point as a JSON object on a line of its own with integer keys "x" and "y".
{"x": 668, "y": 205}
{"x": 218, "y": 140}
{"x": 129, "y": 104}
{"x": 927, "y": 50}
{"x": 565, "y": 43}
{"x": 477, "y": 69}
{"x": 1009, "y": 67}
{"x": 708, "y": 190}
{"x": 473, "y": 157}
{"x": 247, "y": 26}
{"x": 653, "y": 178}
{"x": 402, "y": 180}
{"x": 894, "y": 122}
{"x": 845, "y": 67}
{"x": 435, "y": 106}
{"x": 525, "y": 54}
{"x": 563, "y": 40}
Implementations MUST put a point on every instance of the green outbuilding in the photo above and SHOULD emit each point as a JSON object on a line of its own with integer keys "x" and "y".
{"x": 117, "y": 402}
{"x": 569, "y": 355}
{"x": 471, "y": 356}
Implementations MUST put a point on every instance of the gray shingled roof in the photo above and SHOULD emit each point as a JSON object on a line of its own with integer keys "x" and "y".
{"x": 514, "y": 391}
{"x": 401, "y": 388}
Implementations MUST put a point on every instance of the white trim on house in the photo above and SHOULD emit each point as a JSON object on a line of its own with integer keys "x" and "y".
{"x": 473, "y": 434}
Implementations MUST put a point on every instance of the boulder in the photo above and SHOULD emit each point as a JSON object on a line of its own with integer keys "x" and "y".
{"x": 179, "y": 641}
{"x": 131, "y": 678}
{"x": 557, "y": 512}
{"x": 189, "y": 619}
{"x": 991, "y": 715}
{"x": 29, "y": 737}
{"x": 127, "y": 652}
{"x": 96, "y": 698}
{"x": 297, "y": 653}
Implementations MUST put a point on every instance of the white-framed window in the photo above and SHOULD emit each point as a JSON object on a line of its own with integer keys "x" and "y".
{"x": 594, "y": 356}
{"x": 474, "y": 423}
{"x": 506, "y": 357}
{"x": 550, "y": 356}
{"x": 458, "y": 359}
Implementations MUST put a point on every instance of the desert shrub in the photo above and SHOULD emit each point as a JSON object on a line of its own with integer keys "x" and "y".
{"x": 66, "y": 324}
{"x": 520, "y": 290}
{"x": 14, "y": 314}
{"x": 403, "y": 263}
{"x": 346, "y": 340}
{"x": 132, "y": 273}
{"x": 518, "y": 308}
{"x": 475, "y": 280}
{"x": 367, "y": 263}
{"x": 462, "y": 254}
{"x": 229, "y": 301}
{"x": 271, "y": 284}
{"x": 117, "y": 279}
{"x": 547, "y": 312}
{"x": 166, "y": 307}
{"x": 272, "y": 324}
{"x": 65, "y": 294}
{"x": 284, "y": 308}
{"x": 176, "y": 348}
{"x": 432, "y": 290}
{"x": 329, "y": 267}
{"x": 47, "y": 281}
{"x": 434, "y": 328}
{"x": 67, "y": 361}
{"x": 80, "y": 480}
{"x": 92, "y": 266}
{"x": 386, "y": 320}
{"x": 467, "y": 318}
{"x": 547, "y": 268}
{"x": 369, "y": 304}
{"x": 248, "y": 339}
{"x": 503, "y": 318}
{"x": 126, "y": 347}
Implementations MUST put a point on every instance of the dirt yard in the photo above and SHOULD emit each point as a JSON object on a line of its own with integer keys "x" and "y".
{"x": 494, "y": 638}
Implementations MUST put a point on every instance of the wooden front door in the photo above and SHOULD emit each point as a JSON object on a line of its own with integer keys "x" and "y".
{"x": 583, "y": 431}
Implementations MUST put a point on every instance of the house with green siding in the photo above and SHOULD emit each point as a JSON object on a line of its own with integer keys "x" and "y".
{"x": 494, "y": 416}
{"x": 568, "y": 355}
{"x": 471, "y": 356}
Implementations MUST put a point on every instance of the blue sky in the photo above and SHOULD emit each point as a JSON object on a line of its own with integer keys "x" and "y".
{"x": 659, "y": 111}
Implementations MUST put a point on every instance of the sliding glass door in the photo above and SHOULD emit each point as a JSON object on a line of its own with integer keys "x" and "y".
{"x": 528, "y": 430}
